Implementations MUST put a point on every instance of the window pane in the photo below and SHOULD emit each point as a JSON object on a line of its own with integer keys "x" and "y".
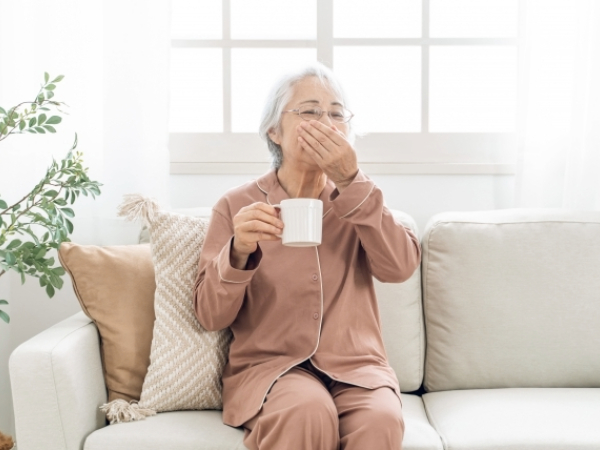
{"x": 472, "y": 89}
{"x": 383, "y": 85}
{"x": 196, "y": 19}
{"x": 377, "y": 18}
{"x": 273, "y": 19}
{"x": 196, "y": 90}
{"x": 473, "y": 18}
{"x": 253, "y": 72}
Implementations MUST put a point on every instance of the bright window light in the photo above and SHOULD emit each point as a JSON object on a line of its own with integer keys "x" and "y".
{"x": 196, "y": 90}
{"x": 383, "y": 85}
{"x": 472, "y": 88}
{"x": 273, "y": 19}
{"x": 196, "y": 19}
{"x": 253, "y": 72}
{"x": 473, "y": 18}
{"x": 377, "y": 18}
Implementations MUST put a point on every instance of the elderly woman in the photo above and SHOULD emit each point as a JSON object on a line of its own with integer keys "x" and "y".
{"x": 307, "y": 367}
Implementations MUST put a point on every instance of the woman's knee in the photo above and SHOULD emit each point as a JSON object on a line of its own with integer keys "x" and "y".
{"x": 385, "y": 417}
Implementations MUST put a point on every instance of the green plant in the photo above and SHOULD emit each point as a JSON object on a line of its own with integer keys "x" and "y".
{"x": 40, "y": 221}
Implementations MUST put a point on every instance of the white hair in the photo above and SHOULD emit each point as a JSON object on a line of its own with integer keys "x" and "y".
{"x": 280, "y": 94}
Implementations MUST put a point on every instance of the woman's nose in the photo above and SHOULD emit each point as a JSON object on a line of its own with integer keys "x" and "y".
{"x": 326, "y": 119}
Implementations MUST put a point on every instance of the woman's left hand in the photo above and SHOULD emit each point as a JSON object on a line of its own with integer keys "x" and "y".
{"x": 330, "y": 150}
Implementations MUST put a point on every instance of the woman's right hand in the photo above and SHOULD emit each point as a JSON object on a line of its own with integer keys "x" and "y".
{"x": 253, "y": 223}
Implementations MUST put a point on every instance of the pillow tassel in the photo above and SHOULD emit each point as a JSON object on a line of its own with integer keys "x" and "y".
{"x": 120, "y": 410}
{"x": 136, "y": 206}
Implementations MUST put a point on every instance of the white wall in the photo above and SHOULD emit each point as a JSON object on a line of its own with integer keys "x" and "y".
{"x": 421, "y": 196}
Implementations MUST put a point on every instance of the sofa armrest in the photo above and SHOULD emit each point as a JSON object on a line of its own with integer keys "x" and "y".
{"x": 58, "y": 385}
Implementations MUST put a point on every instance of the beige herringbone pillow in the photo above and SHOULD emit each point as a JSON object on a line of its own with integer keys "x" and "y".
{"x": 186, "y": 361}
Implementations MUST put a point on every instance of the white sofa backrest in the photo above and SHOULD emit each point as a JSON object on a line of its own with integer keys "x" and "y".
{"x": 512, "y": 299}
{"x": 400, "y": 310}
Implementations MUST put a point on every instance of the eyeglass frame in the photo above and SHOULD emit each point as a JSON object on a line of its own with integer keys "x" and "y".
{"x": 297, "y": 111}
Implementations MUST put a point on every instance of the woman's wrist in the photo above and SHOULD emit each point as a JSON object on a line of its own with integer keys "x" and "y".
{"x": 237, "y": 259}
{"x": 344, "y": 184}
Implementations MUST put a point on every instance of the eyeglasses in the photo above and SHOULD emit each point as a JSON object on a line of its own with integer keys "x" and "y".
{"x": 340, "y": 115}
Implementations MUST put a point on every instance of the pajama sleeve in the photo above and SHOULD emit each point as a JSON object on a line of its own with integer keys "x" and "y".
{"x": 220, "y": 289}
{"x": 393, "y": 250}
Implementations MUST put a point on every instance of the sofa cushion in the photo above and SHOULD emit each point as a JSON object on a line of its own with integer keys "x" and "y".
{"x": 186, "y": 361}
{"x": 516, "y": 418}
{"x": 511, "y": 299}
{"x": 402, "y": 324}
{"x": 115, "y": 288}
{"x": 199, "y": 430}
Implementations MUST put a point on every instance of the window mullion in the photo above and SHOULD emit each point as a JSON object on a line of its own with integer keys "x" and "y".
{"x": 325, "y": 32}
{"x": 226, "y": 67}
{"x": 425, "y": 69}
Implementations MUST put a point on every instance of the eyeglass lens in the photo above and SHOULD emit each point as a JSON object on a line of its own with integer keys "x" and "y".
{"x": 337, "y": 114}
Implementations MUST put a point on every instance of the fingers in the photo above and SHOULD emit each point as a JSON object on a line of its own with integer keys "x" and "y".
{"x": 258, "y": 227}
{"x": 267, "y": 214}
{"x": 327, "y": 132}
{"x": 316, "y": 155}
{"x": 316, "y": 139}
{"x": 269, "y": 209}
{"x": 254, "y": 223}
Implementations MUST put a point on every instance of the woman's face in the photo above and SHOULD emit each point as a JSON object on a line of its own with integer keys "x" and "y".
{"x": 308, "y": 91}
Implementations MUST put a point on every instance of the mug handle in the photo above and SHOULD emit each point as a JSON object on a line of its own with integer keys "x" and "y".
{"x": 278, "y": 206}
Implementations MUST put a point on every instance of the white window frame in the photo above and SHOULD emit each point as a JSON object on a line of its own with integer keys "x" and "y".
{"x": 378, "y": 153}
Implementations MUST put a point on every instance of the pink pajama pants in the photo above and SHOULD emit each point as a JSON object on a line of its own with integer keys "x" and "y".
{"x": 307, "y": 410}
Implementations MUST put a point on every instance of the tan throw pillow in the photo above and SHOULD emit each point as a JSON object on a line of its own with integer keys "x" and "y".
{"x": 186, "y": 361}
{"x": 115, "y": 287}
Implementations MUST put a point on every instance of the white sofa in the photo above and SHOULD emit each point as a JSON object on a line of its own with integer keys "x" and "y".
{"x": 495, "y": 341}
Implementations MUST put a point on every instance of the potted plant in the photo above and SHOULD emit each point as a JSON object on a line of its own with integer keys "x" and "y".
{"x": 40, "y": 220}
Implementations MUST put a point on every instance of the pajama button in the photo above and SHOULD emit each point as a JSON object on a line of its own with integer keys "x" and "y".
{"x": 315, "y": 316}
{"x": 315, "y": 277}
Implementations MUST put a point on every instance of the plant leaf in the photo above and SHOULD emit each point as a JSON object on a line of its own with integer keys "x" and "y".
{"x": 3, "y": 204}
{"x": 10, "y": 258}
{"x": 32, "y": 121}
{"x": 50, "y": 128}
{"x": 50, "y": 290}
{"x": 70, "y": 226}
{"x": 3, "y": 302}
{"x": 58, "y": 78}
{"x": 50, "y": 87}
{"x": 54, "y": 120}
{"x": 4, "y": 316}
{"x": 40, "y": 130}
{"x": 68, "y": 212}
{"x": 14, "y": 244}
{"x": 41, "y": 118}
{"x": 46, "y": 77}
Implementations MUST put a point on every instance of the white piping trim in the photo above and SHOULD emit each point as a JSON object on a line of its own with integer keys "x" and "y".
{"x": 327, "y": 212}
{"x": 357, "y": 206}
{"x": 264, "y": 192}
{"x": 228, "y": 281}
{"x": 318, "y": 336}
{"x": 315, "y": 351}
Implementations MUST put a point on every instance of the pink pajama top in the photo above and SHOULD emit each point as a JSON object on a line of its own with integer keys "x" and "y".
{"x": 296, "y": 303}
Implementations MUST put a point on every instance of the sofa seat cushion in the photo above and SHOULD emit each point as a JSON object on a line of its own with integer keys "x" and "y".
{"x": 516, "y": 418}
{"x": 174, "y": 430}
{"x": 199, "y": 430}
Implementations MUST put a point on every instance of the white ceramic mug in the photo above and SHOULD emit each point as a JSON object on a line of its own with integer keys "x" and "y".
{"x": 302, "y": 221}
